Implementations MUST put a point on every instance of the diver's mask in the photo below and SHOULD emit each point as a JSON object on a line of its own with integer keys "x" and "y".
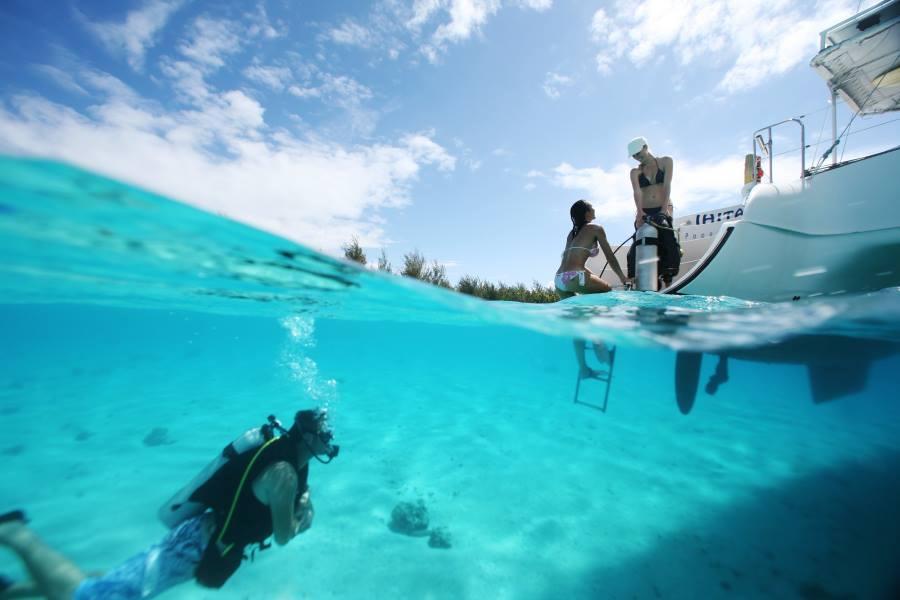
{"x": 315, "y": 422}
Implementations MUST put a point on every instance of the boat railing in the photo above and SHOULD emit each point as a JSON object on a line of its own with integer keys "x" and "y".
{"x": 766, "y": 145}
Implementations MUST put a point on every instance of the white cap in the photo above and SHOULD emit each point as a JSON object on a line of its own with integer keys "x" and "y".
{"x": 635, "y": 145}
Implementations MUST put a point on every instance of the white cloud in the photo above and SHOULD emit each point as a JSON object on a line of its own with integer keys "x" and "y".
{"x": 538, "y": 5}
{"x": 305, "y": 92}
{"x": 211, "y": 40}
{"x": 423, "y": 10}
{"x": 106, "y": 83}
{"x": 260, "y": 26}
{"x": 138, "y": 32}
{"x": 189, "y": 83}
{"x": 351, "y": 33}
{"x": 345, "y": 89}
{"x": 529, "y": 186}
{"x": 425, "y": 150}
{"x": 343, "y": 92}
{"x": 466, "y": 18}
{"x": 276, "y": 78}
{"x": 62, "y": 78}
{"x": 604, "y": 63}
{"x": 428, "y": 26}
{"x": 458, "y": 20}
{"x": 314, "y": 192}
{"x": 753, "y": 39}
{"x": 694, "y": 185}
{"x": 553, "y": 82}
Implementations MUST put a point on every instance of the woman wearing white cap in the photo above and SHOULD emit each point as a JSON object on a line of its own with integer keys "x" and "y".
{"x": 651, "y": 181}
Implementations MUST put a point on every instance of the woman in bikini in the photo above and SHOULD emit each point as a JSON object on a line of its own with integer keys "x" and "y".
{"x": 651, "y": 182}
{"x": 584, "y": 241}
{"x": 573, "y": 277}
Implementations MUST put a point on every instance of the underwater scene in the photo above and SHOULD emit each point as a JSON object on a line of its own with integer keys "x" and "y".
{"x": 734, "y": 449}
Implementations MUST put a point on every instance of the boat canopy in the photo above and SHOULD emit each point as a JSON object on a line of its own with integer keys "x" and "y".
{"x": 860, "y": 59}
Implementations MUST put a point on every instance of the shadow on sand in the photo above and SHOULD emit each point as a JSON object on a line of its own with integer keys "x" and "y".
{"x": 821, "y": 537}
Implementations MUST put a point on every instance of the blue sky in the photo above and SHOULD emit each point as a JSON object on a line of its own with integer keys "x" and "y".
{"x": 461, "y": 128}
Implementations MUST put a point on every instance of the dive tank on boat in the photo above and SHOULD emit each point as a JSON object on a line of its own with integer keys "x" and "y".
{"x": 645, "y": 259}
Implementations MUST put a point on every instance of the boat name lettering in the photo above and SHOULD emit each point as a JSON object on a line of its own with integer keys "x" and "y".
{"x": 718, "y": 216}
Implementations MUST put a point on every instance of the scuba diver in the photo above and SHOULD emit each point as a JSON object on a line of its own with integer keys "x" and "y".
{"x": 256, "y": 489}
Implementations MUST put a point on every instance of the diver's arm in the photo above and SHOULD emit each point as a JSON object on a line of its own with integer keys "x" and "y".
{"x": 667, "y": 185}
{"x": 278, "y": 489}
{"x": 638, "y": 197}
{"x": 610, "y": 255}
{"x": 304, "y": 512}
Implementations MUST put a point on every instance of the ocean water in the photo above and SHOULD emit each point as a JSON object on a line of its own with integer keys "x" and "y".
{"x": 139, "y": 336}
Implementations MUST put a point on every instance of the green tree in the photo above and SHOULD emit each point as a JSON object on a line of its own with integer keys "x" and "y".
{"x": 383, "y": 263}
{"x": 414, "y": 265}
{"x": 353, "y": 251}
{"x": 474, "y": 286}
{"x": 436, "y": 274}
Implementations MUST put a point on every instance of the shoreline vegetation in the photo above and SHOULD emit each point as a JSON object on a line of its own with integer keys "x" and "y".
{"x": 416, "y": 266}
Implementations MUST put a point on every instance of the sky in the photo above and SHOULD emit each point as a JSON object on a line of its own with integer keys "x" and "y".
{"x": 463, "y": 129}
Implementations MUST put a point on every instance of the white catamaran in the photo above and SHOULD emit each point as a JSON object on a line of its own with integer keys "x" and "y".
{"x": 835, "y": 229}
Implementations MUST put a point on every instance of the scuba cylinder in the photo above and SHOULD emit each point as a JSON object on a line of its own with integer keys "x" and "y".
{"x": 180, "y": 507}
{"x": 646, "y": 261}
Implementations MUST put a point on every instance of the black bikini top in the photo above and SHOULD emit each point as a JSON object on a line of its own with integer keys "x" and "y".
{"x": 660, "y": 177}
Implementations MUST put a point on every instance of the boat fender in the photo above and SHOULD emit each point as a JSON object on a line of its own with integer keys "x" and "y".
{"x": 646, "y": 242}
{"x": 180, "y": 507}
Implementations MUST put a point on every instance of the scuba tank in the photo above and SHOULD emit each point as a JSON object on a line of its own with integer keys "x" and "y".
{"x": 646, "y": 261}
{"x": 180, "y": 507}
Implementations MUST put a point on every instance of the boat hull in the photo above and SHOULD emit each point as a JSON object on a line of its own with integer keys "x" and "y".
{"x": 836, "y": 232}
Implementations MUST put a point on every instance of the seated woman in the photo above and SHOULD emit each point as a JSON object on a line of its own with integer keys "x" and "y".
{"x": 584, "y": 241}
{"x": 573, "y": 277}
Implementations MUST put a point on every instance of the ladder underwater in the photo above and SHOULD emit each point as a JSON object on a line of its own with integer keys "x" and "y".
{"x": 607, "y": 378}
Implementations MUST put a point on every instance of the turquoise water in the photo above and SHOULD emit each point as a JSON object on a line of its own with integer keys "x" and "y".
{"x": 123, "y": 313}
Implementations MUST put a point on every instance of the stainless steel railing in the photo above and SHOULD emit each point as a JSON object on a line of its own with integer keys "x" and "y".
{"x": 766, "y": 145}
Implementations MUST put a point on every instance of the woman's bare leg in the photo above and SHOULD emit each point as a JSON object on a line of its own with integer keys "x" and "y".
{"x": 595, "y": 285}
{"x": 601, "y": 352}
{"x": 583, "y": 369}
{"x": 54, "y": 575}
